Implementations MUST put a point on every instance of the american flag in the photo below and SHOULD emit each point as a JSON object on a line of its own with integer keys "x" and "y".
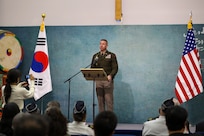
{"x": 189, "y": 78}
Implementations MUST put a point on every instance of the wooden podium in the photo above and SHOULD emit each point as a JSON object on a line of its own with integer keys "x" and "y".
{"x": 94, "y": 74}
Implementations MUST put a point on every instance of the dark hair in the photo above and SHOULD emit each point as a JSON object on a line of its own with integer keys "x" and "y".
{"x": 105, "y": 123}
{"x": 105, "y": 41}
{"x": 79, "y": 117}
{"x": 57, "y": 122}
{"x": 176, "y": 117}
{"x": 31, "y": 125}
{"x": 12, "y": 77}
{"x": 10, "y": 110}
{"x": 53, "y": 103}
{"x": 167, "y": 104}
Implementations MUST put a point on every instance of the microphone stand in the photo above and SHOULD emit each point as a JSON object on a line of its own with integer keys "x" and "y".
{"x": 69, "y": 79}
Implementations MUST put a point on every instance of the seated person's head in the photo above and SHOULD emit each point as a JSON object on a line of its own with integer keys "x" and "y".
{"x": 105, "y": 123}
{"x": 53, "y": 103}
{"x": 57, "y": 121}
{"x": 176, "y": 118}
{"x": 13, "y": 76}
{"x": 17, "y": 119}
{"x": 168, "y": 104}
{"x": 79, "y": 111}
{"x": 9, "y": 111}
{"x": 31, "y": 125}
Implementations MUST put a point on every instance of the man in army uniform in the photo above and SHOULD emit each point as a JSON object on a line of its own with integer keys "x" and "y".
{"x": 104, "y": 89}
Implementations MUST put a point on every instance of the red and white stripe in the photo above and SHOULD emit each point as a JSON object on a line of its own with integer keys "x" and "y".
{"x": 189, "y": 78}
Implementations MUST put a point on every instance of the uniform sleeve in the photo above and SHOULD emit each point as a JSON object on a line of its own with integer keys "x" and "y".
{"x": 114, "y": 64}
{"x": 92, "y": 62}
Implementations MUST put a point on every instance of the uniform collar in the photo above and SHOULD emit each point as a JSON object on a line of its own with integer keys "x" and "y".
{"x": 105, "y": 53}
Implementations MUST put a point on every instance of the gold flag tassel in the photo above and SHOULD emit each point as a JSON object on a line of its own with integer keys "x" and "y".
{"x": 190, "y": 24}
{"x": 42, "y": 26}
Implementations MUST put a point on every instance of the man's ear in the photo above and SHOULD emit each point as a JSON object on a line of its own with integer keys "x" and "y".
{"x": 159, "y": 110}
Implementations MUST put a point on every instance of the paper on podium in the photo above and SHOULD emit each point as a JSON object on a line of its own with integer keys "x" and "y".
{"x": 94, "y": 74}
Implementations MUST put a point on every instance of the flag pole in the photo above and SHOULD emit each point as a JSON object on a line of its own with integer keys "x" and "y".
{"x": 42, "y": 27}
{"x": 189, "y": 77}
{"x": 40, "y": 67}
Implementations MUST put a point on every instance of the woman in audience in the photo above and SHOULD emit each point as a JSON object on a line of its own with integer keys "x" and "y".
{"x": 53, "y": 103}
{"x": 9, "y": 111}
{"x": 79, "y": 125}
{"x": 57, "y": 122}
{"x": 15, "y": 91}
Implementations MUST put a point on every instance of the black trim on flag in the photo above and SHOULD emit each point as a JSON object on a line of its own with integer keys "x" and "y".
{"x": 38, "y": 81}
{"x": 39, "y": 38}
{"x": 39, "y": 44}
{"x": 41, "y": 41}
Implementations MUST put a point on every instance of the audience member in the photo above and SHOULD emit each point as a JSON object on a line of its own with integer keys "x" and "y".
{"x": 79, "y": 126}
{"x": 176, "y": 118}
{"x": 17, "y": 119}
{"x": 157, "y": 126}
{"x": 53, "y": 103}
{"x": 9, "y": 111}
{"x": 32, "y": 108}
{"x": 105, "y": 123}
{"x": 30, "y": 125}
{"x": 57, "y": 122}
{"x": 199, "y": 127}
{"x": 14, "y": 90}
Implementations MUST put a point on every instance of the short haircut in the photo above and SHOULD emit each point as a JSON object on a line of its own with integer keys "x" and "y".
{"x": 105, "y": 123}
{"x": 105, "y": 41}
{"x": 176, "y": 117}
{"x": 31, "y": 125}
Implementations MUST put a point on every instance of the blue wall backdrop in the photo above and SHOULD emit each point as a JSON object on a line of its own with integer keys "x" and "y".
{"x": 148, "y": 57}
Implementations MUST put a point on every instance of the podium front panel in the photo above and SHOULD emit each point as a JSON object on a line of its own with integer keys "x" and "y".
{"x": 94, "y": 74}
